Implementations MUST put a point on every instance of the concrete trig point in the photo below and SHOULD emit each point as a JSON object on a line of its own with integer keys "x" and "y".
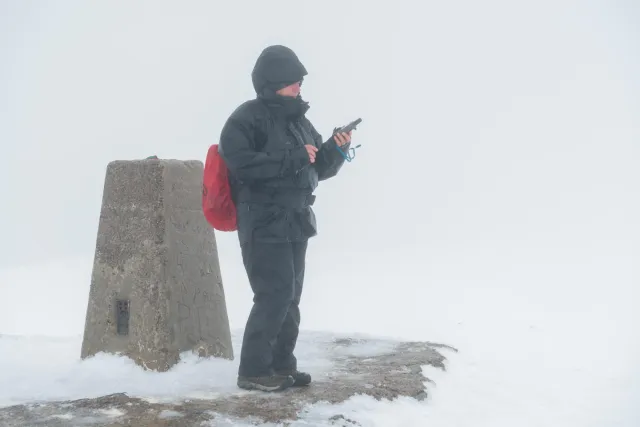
{"x": 156, "y": 288}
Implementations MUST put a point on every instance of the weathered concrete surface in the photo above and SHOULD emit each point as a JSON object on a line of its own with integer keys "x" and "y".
{"x": 386, "y": 375}
{"x": 155, "y": 249}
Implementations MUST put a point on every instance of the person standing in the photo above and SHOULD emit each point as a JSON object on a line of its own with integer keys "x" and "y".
{"x": 276, "y": 159}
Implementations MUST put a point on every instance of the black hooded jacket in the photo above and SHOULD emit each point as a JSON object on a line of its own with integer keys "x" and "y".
{"x": 263, "y": 145}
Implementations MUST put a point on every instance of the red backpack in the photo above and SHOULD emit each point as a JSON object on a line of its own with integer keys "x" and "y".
{"x": 217, "y": 205}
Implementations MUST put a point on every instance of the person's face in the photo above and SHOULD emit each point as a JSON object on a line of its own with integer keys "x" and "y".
{"x": 293, "y": 90}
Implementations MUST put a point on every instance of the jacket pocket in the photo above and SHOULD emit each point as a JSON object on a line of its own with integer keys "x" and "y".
{"x": 309, "y": 225}
{"x": 268, "y": 223}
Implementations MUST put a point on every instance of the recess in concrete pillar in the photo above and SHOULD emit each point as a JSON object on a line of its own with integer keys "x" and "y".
{"x": 156, "y": 288}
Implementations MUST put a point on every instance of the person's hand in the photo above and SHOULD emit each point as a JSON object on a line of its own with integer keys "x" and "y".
{"x": 311, "y": 150}
{"x": 342, "y": 138}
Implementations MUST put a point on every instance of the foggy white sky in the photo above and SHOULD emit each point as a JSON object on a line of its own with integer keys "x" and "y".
{"x": 495, "y": 128}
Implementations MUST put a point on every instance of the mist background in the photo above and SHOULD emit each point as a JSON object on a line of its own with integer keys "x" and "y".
{"x": 493, "y": 205}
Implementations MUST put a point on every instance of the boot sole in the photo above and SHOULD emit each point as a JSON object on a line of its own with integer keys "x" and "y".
{"x": 261, "y": 387}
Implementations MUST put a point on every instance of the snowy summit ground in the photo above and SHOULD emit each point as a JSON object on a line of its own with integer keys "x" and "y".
{"x": 517, "y": 365}
{"x": 345, "y": 370}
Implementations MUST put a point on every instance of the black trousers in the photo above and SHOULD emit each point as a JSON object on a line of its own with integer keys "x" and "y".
{"x": 276, "y": 275}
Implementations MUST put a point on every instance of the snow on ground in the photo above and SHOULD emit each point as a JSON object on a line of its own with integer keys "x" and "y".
{"x": 41, "y": 368}
{"x": 47, "y": 369}
{"x": 555, "y": 356}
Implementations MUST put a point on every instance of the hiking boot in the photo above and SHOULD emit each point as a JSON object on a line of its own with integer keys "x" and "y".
{"x": 266, "y": 383}
{"x": 300, "y": 378}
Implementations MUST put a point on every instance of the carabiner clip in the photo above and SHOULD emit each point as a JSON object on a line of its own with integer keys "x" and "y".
{"x": 350, "y": 154}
